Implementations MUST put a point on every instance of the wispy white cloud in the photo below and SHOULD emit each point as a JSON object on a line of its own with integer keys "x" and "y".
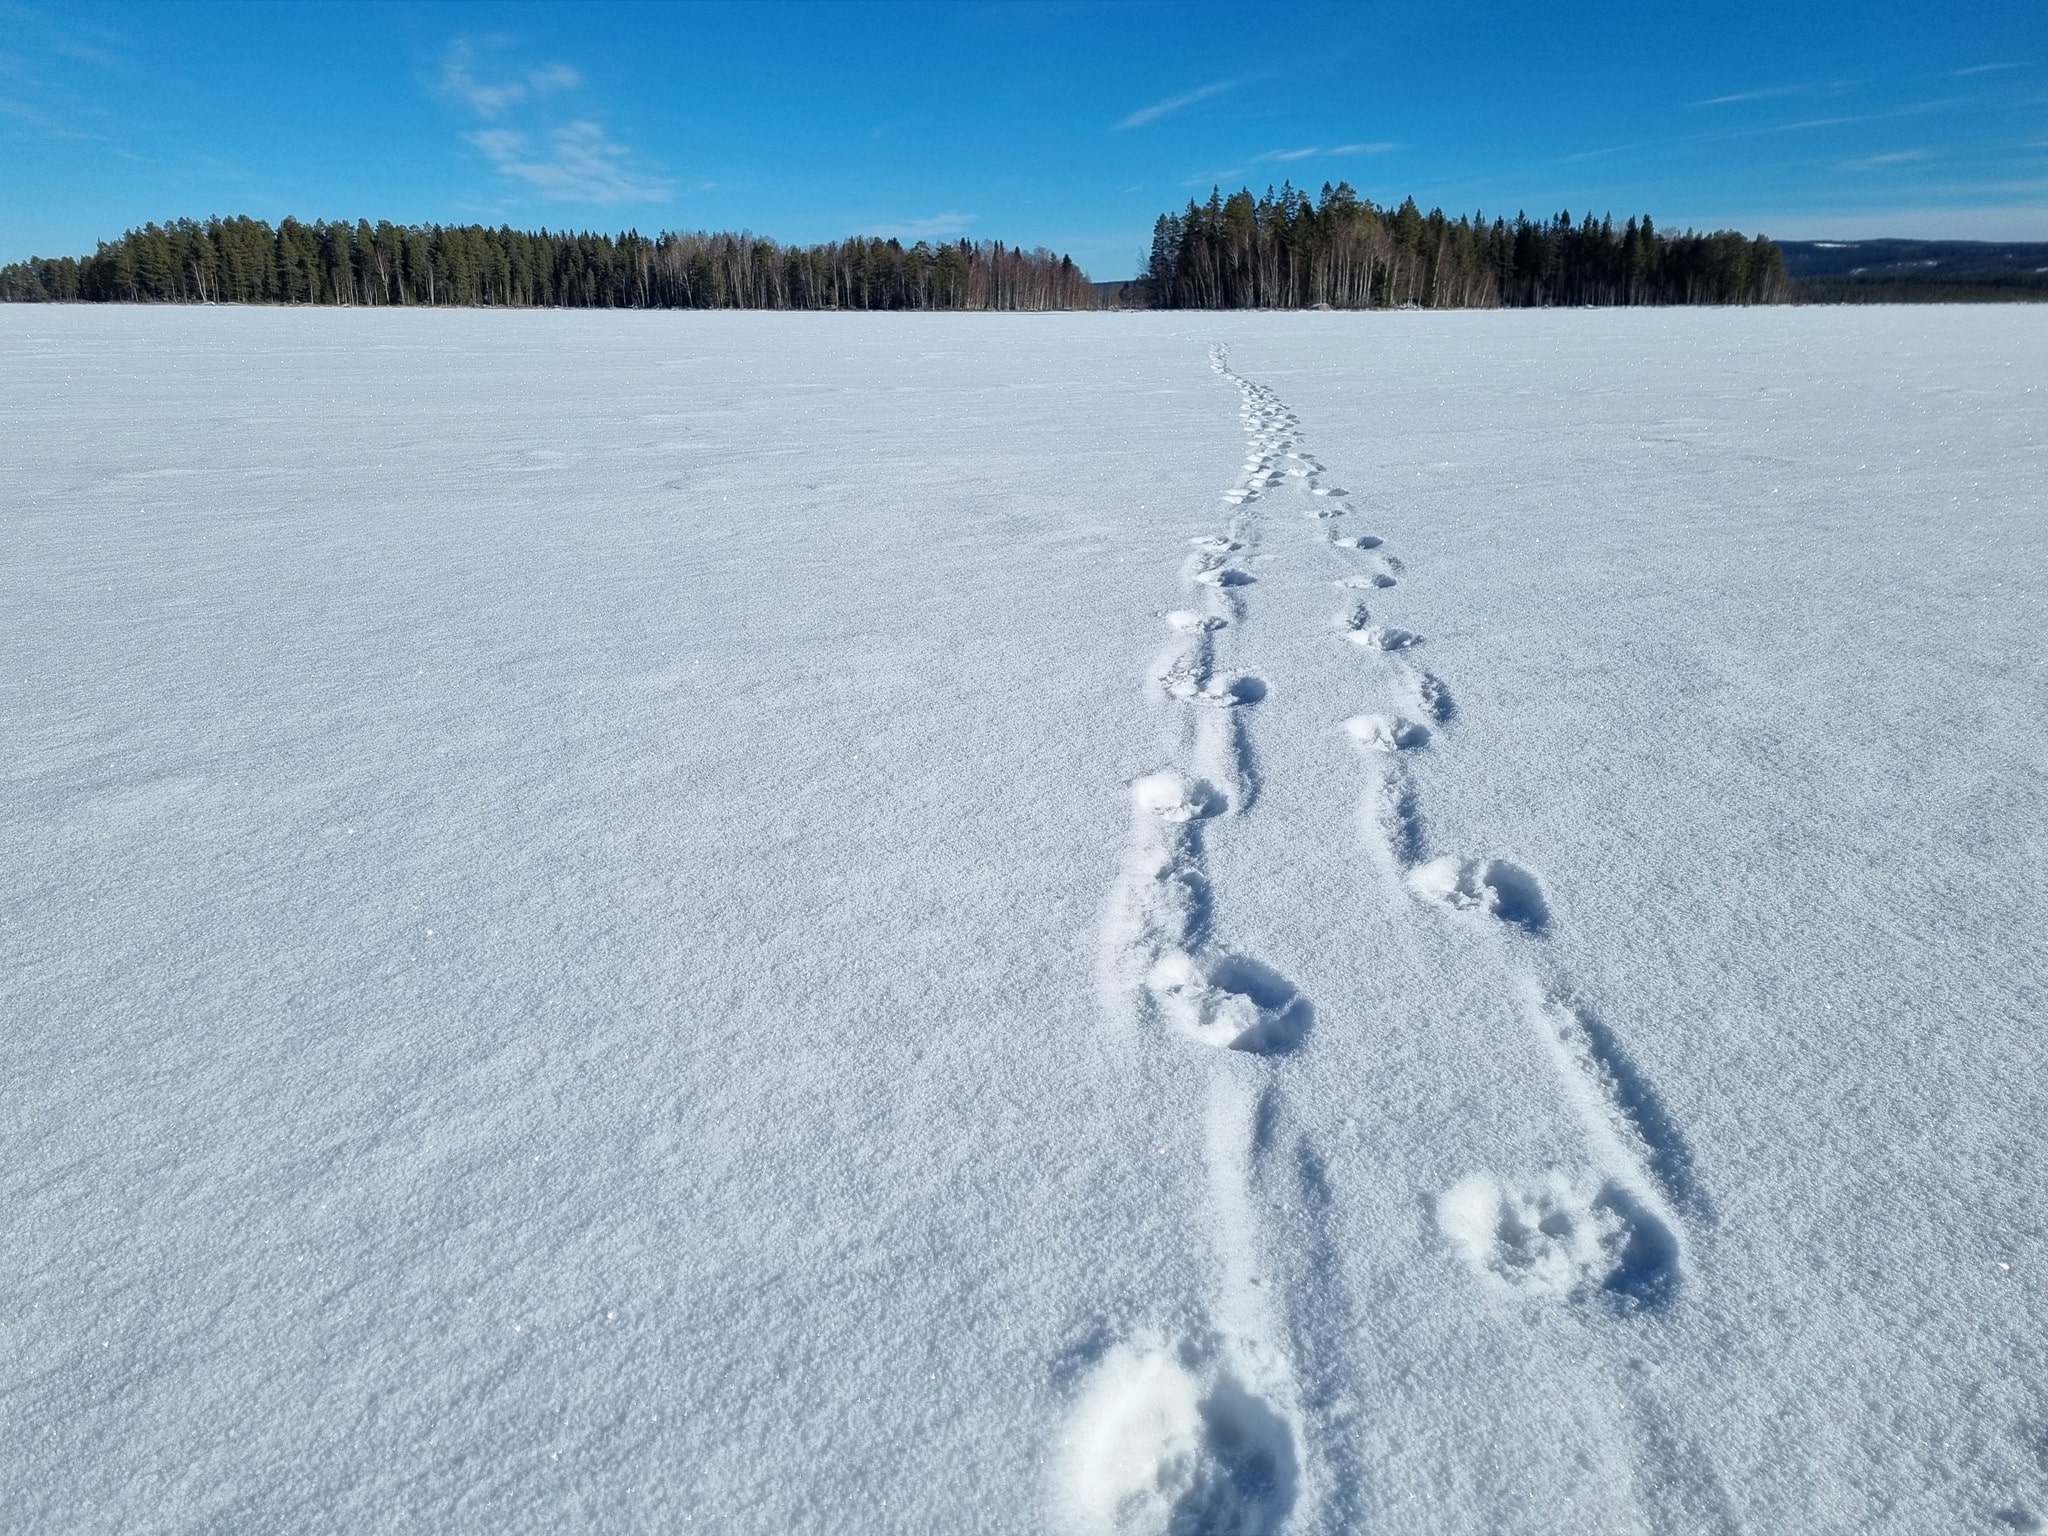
{"x": 566, "y": 159}
{"x": 940, "y": 226}
{"x": 1766, "y": 130}
{"x": 1319, "y": 152}
{"x": 1896, "y": 157}
{"x": 578, "y": 164}
{"x": 1173, "y": 104}
{"x": 1986, "y": 69}
{"x": 460, "y": 78}
{"x": 1766, "y": 93}
{"x": 1912, "y": 109}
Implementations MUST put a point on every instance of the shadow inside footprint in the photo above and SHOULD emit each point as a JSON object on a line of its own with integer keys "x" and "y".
{"x": 1517, "y": 895}
{"x": 1434, "y": 699}
{"x": 1384, "y": 637}
{"x": 1284, "y": 1014}
{"x": 1229, "y": 1002}
{"x": 1234, "y": 688}
{"x": 1646, "y": 1263}
{"x": 1492, "y": 886}
{"x": 1251, "y": 1483}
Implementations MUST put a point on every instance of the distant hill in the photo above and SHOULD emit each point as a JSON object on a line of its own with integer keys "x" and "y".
{"x": 1912, "y": 258}
{"x": 1916, "y": 271}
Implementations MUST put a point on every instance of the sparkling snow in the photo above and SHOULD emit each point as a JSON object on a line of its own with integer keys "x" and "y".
{"x": 1195, "y": 923}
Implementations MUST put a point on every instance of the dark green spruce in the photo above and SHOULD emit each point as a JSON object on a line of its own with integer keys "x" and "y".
{"x": 1284, "y": 251}
{"x": 245, "y": 261}
{"x": 1281, "y": 251}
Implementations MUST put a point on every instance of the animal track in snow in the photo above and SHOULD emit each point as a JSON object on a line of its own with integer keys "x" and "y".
{"x": 1555, "y": 1238}
{"x": 1490, "y": 886}
{"x": 1173, "y": 1439}
{"x": 1384, "y": 637}
{"x": 1228, "y": 1002}
{"x": 1624, "y": 1120}
{"x": 1430, "y": 697}
{"x": 1164, "y": 1443}
{"x": 1360, "y": 541}
{"x": 1223, "y": 692}
{"x": 1386, "y": 733}
{"x": 1173, "y": 797}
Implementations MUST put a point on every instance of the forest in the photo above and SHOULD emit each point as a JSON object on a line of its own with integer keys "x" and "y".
{"x": 1280, "y": 251}
{"x": 1284, "y": 251}
{"x": 245, "y": 261}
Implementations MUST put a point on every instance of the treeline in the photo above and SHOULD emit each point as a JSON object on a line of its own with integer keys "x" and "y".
{"x": 1284, "y": 251}
{"x": 1281, "y": 251}
{"x": 245, "y": 261}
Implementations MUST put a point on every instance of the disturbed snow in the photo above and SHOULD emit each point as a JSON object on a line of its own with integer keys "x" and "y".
{"x": 1105, "y": 923}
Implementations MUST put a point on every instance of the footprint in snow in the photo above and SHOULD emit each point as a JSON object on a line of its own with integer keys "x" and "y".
{"x": 1175, "y": 797}
{"x": 1360, "y": 541}
{"x": 1379, "y": 579}
{"x": 1162, "y": 1443}
{"x": 1385, "y": 733}
{"x": 1384, "y": 637}
{"x": 1490, "y": 886}
{"x": 1229, "y": 1002}
{"x": 1225, "y": 692}
{"x": 1432, "y": 698}
{"x": 1559, "y": 1239}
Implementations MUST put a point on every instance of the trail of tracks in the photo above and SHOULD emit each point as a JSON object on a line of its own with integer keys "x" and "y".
{"x": 1210, "y": 1429}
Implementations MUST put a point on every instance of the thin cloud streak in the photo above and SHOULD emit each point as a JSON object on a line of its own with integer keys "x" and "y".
{"x": 1897, "y": 157}
{"x": 1766, "y": 130}
{"x": 579, "y": 165}
{"x": 939, "y": 226}
{"x": 1318, "y": 152}
{"x": 1173, "y": 104}
{"x": 1767, "y": 93}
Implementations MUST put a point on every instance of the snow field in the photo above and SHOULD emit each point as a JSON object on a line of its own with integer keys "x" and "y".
{"x": 789, "y": 923}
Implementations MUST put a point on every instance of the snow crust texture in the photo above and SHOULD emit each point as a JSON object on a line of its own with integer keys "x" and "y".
{"x": 1306, "y": 925}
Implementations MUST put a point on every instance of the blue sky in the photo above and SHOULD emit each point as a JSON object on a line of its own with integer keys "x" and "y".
{"x": 1068, "y": 125}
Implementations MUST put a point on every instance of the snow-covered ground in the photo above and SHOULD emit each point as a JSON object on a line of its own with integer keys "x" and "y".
{"x": 635, "y": 922}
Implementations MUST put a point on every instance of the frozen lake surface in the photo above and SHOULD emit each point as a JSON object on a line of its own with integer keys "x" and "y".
{"x": 1326, "y": 923}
